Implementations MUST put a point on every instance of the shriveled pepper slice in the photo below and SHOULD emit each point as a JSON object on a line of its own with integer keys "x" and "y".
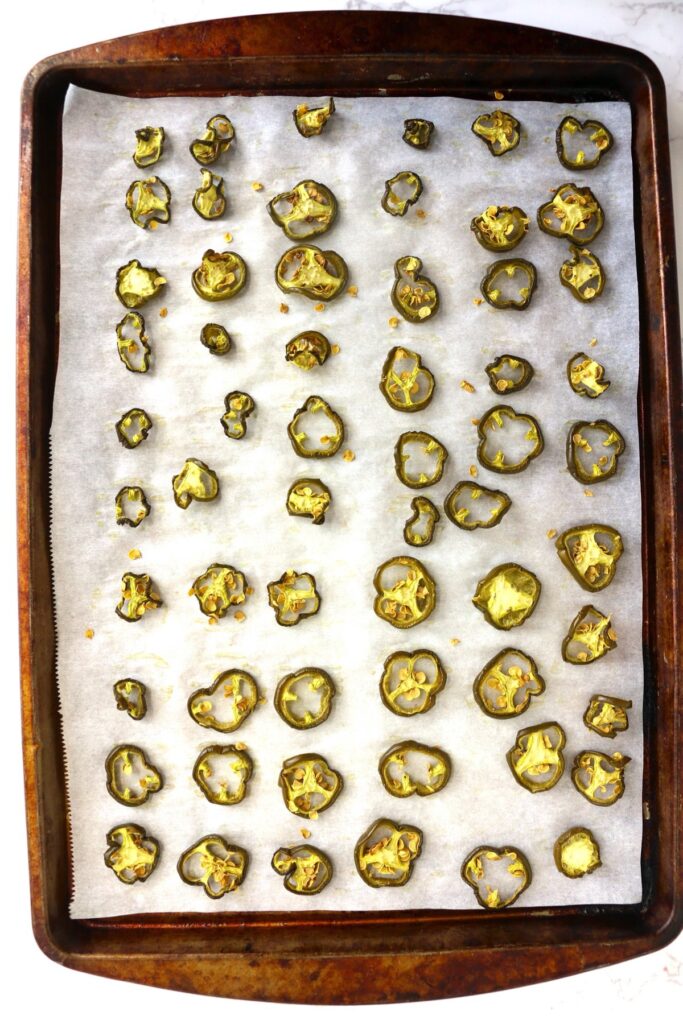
{"x": 149, "y": 146}
{"x": 607, "y": 715}
{"x": 195, "y": 482}
{"x": 133, "y": 427}
{"x": 138, "y": 596}
{"x": 131, "y": 506}
{"x": 310, "y": 271}
{"x": 307, "y": 210}
{"x": 509, "y": 284}
{"x": 307, "y": 350}
{"x": 306, "y": 869}
{"x": 507, "y": 595}
{"x": 600, "y": 777}
{"x": 576, "y": 853}
{"x": 149, "y": 202}
{"x": 218, "y": 589}
{"x": 214, "y": 140}
{"x": 500, "y": 228}
{"x": 536, "y": 759}
{"x": 218, "y": 866}
{"x": 309, "y": 785}
{"x": 591, "y": 554}
{"x": 580, "y": 147}
{"x": 131, "y": 779}
{"x": 508, "y": 374}
{"x": 227, "y": 703}
{"x": 309, "y": 497}
{"x": 417, "y": 132}
{"x": 131, "y": 854}
{"x": 238, "y": 407}
{"x": 591, "y": 636}
{"x": 401, "y": 192}
{"x": 132, "y": 343}
{"x": 136, "y": 285}
{"x": 519, "y": 433}
{"x": 410, "y": 768}
{"x": 215, "y": 338}
{"x": 385, "y": 854}
{"x": 415, "y": 297}
{"x": 506, "y": 684}
{"x": 316, "y": 417}
{"x": 293, "y": 597}
{"x": 406, "y": 383}
{"x": 130, "y": 696}
{"x": 463, "y": 505}
{"x": 406, "y": 593}
{"x": 593, "y": 450}
{"x": 499, "y": 130}
{"x": 426, "y": 454}
{"x": 209, "y": 198}
{"x": 223, "y": 773}
{"x": 586, "y": 376}
{"x": 303, "y": 699}
{"x": 220, "y": 276}
{"x": 411, "y": 682}
{"x": 498, "y": 875}
{"x": 419, "y": 528}
{"x": 311, "y": 120}
{"x": 583, "y": 274}
{"x": 572, "y": 213}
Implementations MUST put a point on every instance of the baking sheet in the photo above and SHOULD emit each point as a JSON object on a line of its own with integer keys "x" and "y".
{"x": 175, "y": 651}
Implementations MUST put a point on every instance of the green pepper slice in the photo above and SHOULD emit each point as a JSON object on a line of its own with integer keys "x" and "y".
{"x": 607, "y": 715}
{"x": 503, "y": 419}
{"x": 133, "y": 428}
{"x": 130, "y": 696}
{"x": 307, "y": 210}
{"x": 499, "y": 130}
{"x": 214, "y": 140}
{"x": 195, "y": 482}
{"x": 536, "y": 759}
{"x": 600, "y": 777}
{"x": 586, "y": 376}
{"x": 411, "y": 682}
{"x": 509, "y": 284}
{"x": 591, "y": 636}
{"x": 309, "y": 785}
{"x": 131, "y": 506}
{"x": 568, "y": 139}
{"x": 131, "y": 854}
{"x": 307, "y": 421}
{"x": 149, "y": 202}
{"x": 238, "y": 407}
{"x": 576, "y": 853}
{"x": 306, "y": 869}
{"x": 216, "y": 339}
{"x": 218, "y": 866}
{"x": 223, "y": 773}
{"x": 419, "y": 528}
{"x": 415, "y": 298}
{"x": 311, "y": 120}
{"x": 218, "y": 589}
{"x": 584, "y": 464}
{"x": 149, "y": 146}
{"x": 508, "y": 374}
{"x": 498, "y": 875}
{"x": 428, "y": 454}
{"x": 132, "y": 343}
{"x": 406, "y": 383}
{"x": 583, "y": 274}
{"x": 413, "y": 769}
{"x": 506, "y": 684}
{"x": 209, "y": 198}
{"x": 136, "y": 285}
{"x": 309, "y": 497}
{"x": 463, "y": 501}
{"x": 406, "y": 593}
{"x": 131, "y": 779}
{"x": 138, "y": 596}
{"x": 227, "y": 703}
{"x": 386, "y": 852}
{"x": 220, "y": 276}
{"x": 308, "y": 349}
{"x": 591, "y": 554}
{"x": 417, "y": 132}
{"x": 401, "y": 192}
{"x": 572, "y": 213}
{"x": 507, "y": 595}
{"x": 307, "y": 270}
{"x": 293, "y": 597}
{"x": 500, "y": 228}
{"x": 303, "y": 699}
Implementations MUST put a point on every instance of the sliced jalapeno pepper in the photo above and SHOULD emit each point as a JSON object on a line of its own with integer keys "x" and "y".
{"x": 406, "y": 383}
{"x": 309, "y": 786}
{"x": 583, "y": 274}
{"x": 607, "y": 715}
{"x": 218, "y": 589}
{"x": 218, "y": 866}
{"x": 222, "y": 774}
{"x": 591, "y": 636}
{"x": 526, "y": 445}
{"x": 293, "y": 597}
{"x": 131, "y": 506}
{"x": 386, "y": 852}
{"x": 576, "y": 853}
{"x": 500, "y": 228}
{"x": 417, "y": 132}
{"x": 132, "y": 343}
{"x": 214, "y": 140}
{"x": 149, "y": 146}
{"x": 215, "y": 338}
{"x": 136, "y": 285}
{"x": 306, "y": 869}
{"x": 131, "y": 854}
{"x": 586, "y": 376}
{"x": 401, "y": 192}
{"x": 572, "y": 213}
{"x": 209, "y": 198}
{"x": 509, "y": 284}
{"x": 131, "y": 779}
{"x": 507, "y": 595}
{"x": 309, "y": 497}
{"x": 591, "y": 554}
{"x": 307, "y": 270}
{"x": 227, "y": 703}
{"x": 411, "y": 682}
{"x": 220, "y": 276}
{"x": 536, "y": 759}
{"x": 419, "y": 529}
{"x": 303, "y": 699}
{"x": 499, "y": 130}
{"x": 428, "y": 455}
{"x": 508, "y": 374}
{"x": 506, "y": 684}
{"x": 307, "y": 421}
{"x": 415, "y": 298}
{"x": 307, "y": 210}
{"x": 130, "y": 696}
{"x": 195, "y": 482}
{"x": 462, "y": 504}
{"x": 238, "y": 407}
{"x": 584, "y": 441}
{"x": 600, "y": 777}
{"x": 498, "y": 875}
{"x": 133, "y": 427}
{"x": 411, "y": 768}
{"x": 308, "y": 349}
{"x": 406, "y": 593}
{"x": 311, "y": 120}
{"x": 568, "y": 140}
{"x": 138, "y": 596}
{"x": 149, "y": 202}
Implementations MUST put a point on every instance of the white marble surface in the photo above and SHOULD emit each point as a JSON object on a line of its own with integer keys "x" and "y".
{"x": 649, "y": 985}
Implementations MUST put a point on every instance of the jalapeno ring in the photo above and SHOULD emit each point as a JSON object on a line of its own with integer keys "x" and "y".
{"x": 306, "y": 869}
{"x": 508, "y": 269}
{"x": 506, "y": 684}
{"x": 148, "y": 202}
{"x": 428, "y": 446}
{"x": 307, "y": 270}
{"x": 586, "y": 376}
{"x": 583, "y": 274}
{"x": 309, "y": 785}
{"x": 303, "y": 699}
{"x": 328, "y": 443}
{"x": 209, "y": 198}
{"x": 215, "y": 139}
{"x": 132, "y": 343}
{"x": 227, "y": 703}
{"x": 131, "y": 854}
{"x": 137, "y": 596}
{"x": 309, "y": 497}
{"x": 311, "y": 120}
{"x": 572, "y": 213}
{"x": 501, "y": 862}
{"x": 195, "y": 482}
{"x": 219, "y": 867}
{"x": 136, "y": 285}
{"x": 411, "y": 768}
{"x": 591, "y": 554}
{"x": 582, "y": 439}
{"x": 536, "y": 759}
{"x": 417, "y": 132}
{"x": 507, "y": 595}
{"x": 218, "y": 589}
{"x": 600, "y": 777}
{"x": 411, "y": 682}
{"x": 216, "y": 339}
{"x": 131, "y": 506}
{"x": 393, "y": 201}
{"x": 386, "y": 852}
{"x": 496, "y": 419}
{"x": 600, "y": 137}
{"x": 607, "y": 715}
{"x": 149, "y": 146}
{"x": 220, "y": 276}
{"x": 406, "y": 383}
{"x": 307, "y": 350}
{"x": 130, "y": 696}
{"x": 223, "y": 773}
{"x": 131, "y": 779}
{"x": 307, "y": 210}
{"x": 576, "y": 853}
{"x": 591, "y": 636}
{"x": 419, "y": 528}
{"x": 133, "y": 427}
{"x": 408, "y": 597}
{"x": 500, "y": 228}
{"x": 238, "y": 407}
{"x": 294, "y": 597}
{"x": 499, "y": 130}
{"x": 508, "y": 374}
{"x": 461, "y": 504}
{"x": 415, "y": 298}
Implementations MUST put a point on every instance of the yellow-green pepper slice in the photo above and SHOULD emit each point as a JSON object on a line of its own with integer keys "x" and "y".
{"x": 508, "y": 374}
{"x": 417, "y": 132}
{"x": 138, "y": 596}
{"x": 130, "y": 696}
{"x": 569, "y": 140}
{"x": 411, "y": 682}
{"x": 209, "y": 198}
{"x": 227, "y": 703}
{"x": 307, "y": 210}
{"x": 132, "y": 342}
{"x": 216, "y": 339}
{"x": 406, "y": 383}
{"x": 499, "y": 130}
{"x": 306, "y": 869}
{"x": 406, "y": 593}
{"x": 419, "y": 528}
{"x": 218, "y": 589}
{"x": 303, "y": 699}
{"x": 463, "y": 501}
{"x": 195, "y": 482}
{"x": 572, "y": 213}
{"x": 415, "y": 297}
{"x": 401, "y": 192}
{"x": 149, "y": 146}
{"x": 386, "y": 852}
{"x": 330, "y": 438}
{"x": 536, "y": 759}
{"x": 131, "y": 506}
{"x": 149, "y": 202}
{"x": 309, "y": 785}
{"x": 218, "y": 866}
{"x": 131, "y": 854}
{"x": 491, "y": 452}
{"x": 307, "y": 270}
{"x": 500, "y": 228}
{"x": 507, "y": 595}
{"x": 426, "y": 452}
{"x": 410, "y": 768}
{"x": 131, "y": 779}
{"x": 498, "y": 875}
{"x": 600, "y": 777}
{"x": 294, "y": 597}
{"x": 506, "y": 684}
{"x": 583, "y": 274}
{"x": 607, "y": 715}
{"x": 509, "y": 284}
{"x": 136, "y": 285}
{"x": 591, "y": 636}
{"x": 593, "y": 450}
{"x": 223, "y": 773}
{"x": 576, "y": 853}
{"x": 215, "y": 139}
{"x": 309, "y": 497}
{"x": 311, "y": 120}
{"x": 220, "y": 276}
{"x": 307, "y": 350}
{"x": 591, "y": 554}
{"x": 238, "y": 407}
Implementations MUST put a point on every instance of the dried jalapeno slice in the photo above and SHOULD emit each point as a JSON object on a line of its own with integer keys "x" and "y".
{"x": 386, "y": 852}
{"x": 227, "y": 703}
{"x": 311, "y": 120}
{"x": 306, "y": 422}
{"x": 310, "y": 271}
{"x": 415, "y": 297}
{"x": 132, "y": 343}
{"x": 149, "y": 146}
{"x": 536, "y": 759}
{"x": 573, "y": 138}
{"x": 133, "y": 427}
{"x": 222, "y": 774}
{"x": 309, "y": 497}
{"x": 572, "y": 213}
{"x": 309, "y": 785}
{"x": 607, "y": 715}
{"x": 131, "y": 854}
{"x": 583, "y": 274}
{"x": 507, "y": 595}
{"x": 406, "y": 383}
{"x": 426, "y": 454}
{"x": 131, "y": 506}
{"x": 138, "y": 596}
{"x": 293, "y": 597}
{"x": 506, "y": 684}
{"x": 499, "y": 130}
{"x": 130, "y": 696}
{"x": 600, "y": 777}
{"x": 218, "y": 589}
{"x": 195, "y": 482}
{"x": 464, "y": 501}
{"x": 591, "y": 554}
{"x": 306, "y": 869}
{"x": 509, "y": 284}
{"x": 417, "y": 132}
{"x": 148, "y": 202}
{"x": 497, "y": 875}
{"x": 214, "y": 140}
{"x": 308, "y": 349}
{"x": 131, "y": 779}
{"x": 215, "y": 338}
{"x": 593, "y": 450}
{"x": 411, "y": 682}
{"x": 406, "y": 593}
{"x": 520, "y": 430}
{"x": 586, "y": 376}
{"x": 576, "y": 853}
{"x": 508, "y": 374}
{"x": 419, "y": 528}
{"x": 220, "y": 276}
{"x": 591, "y": 636}
{"x": 238, "y": 407}
{"x": 136, "y": 285}
{"x": 500, "y": 228}
{"x": 410, "y": 768}
{"x": 209, "y": 198}
{"x": 218, "y": 866}
{"x": 303, "y": 699}
{"x": 401, "y": 192}
{"x": 307, "y": 210}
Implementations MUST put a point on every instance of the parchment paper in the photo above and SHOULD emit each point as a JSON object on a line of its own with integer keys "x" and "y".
{"x": 175, "y": 651}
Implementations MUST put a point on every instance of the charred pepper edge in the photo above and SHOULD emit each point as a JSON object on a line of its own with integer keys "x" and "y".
{"x": 499, "y": 267}
{"x": 122, "y": 703}
{"x": 409, "y": 437}
{"x": 125, "y": 494}
{"x": 587, "y": 165}
{"x": 521, "y": 223}
{"x": 404, "y": 204}
{"x": 421, "y": 505}
{"x": 292, "y": 853}
{"x": 230, "y": 848}
{"x": 492, "y": 663}
{"x": 618, "y": 702}
{"x": 220, "y": 750}
{"x": 394, "y": 357}
{"x": 419, "y": 789}
{"x": 316, "y": 453}
{"x": 501, "y": 851}
{"x": 130, "y": 748}
{"x": 574, "y": 466}
{"x": 525, "y": 379}
{"x": 580, "y": 389}
{"x": 315, "y": 231}
{"x": 571, "y": 235}
{"x": 292, "y": 678}
{"x": 516, "y": 467}
{"x": 496, "y": 571}
{"x": 395, "y": 827}
{"x": 568, "y": 562}
{"x": 412, "y": 657}
{"x": 494, "y": 520}
{"x": 298, "y": 759}
{"x": 539, "y": 787}
{"x": 417, "y": 132}
{"x": 559, "y": 843}
{"x": 516, "y": 125}
{"x": 609, "y": 643}
{"x": 209, "y": 691}
{"x": 114, "y": 847}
